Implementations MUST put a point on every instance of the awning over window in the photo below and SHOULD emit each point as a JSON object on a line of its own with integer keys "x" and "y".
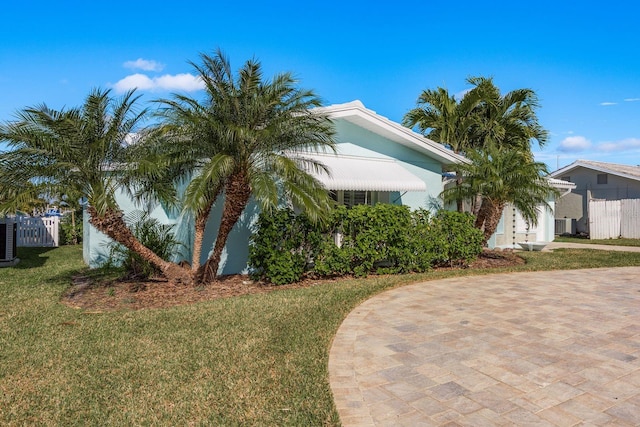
{"x": 365, "y": 174}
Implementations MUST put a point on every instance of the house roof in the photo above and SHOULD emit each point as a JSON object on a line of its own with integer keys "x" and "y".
{"x": 625, "y": 171}
{"x": 364, "y": 174}
{"x": 356, "y": 113}
{"x": 561, "y": 185}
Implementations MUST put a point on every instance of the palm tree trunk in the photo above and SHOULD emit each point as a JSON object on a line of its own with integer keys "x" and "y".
{"x": 112, "y": 224}
{"x": 492, "y": 220}
{"x": 483, "y": 212}
{"x": 459, "y": 204}
{"x": 74, "y": 234}
{"x": 237, "y": 194}
{"x": 477, "y": 203}
{"x": 200, "y": 227}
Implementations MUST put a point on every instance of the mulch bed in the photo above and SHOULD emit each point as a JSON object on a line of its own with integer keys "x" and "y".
{"x": 159, "y": 293}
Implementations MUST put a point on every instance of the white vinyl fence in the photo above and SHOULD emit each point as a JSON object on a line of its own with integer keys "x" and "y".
{"x": 610, "y": 219}
{"x": 38, "y": 232}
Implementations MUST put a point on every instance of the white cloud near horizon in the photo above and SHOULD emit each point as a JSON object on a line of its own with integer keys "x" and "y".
{"x": 144, "y": 64}
{"x": 573, "y": 144}
{"x": 632, "y": 99}
{"x": 178, "y": 82}
{"x": 606, "y": 104}
{"x": 622, "y": 145}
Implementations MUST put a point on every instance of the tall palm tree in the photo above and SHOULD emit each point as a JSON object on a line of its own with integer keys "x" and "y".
{"x": 243, "y": 141}
{"x": 444, "y": 119}
{"x": 501, "y": 176}
{"x": 441, "y": 117}
{"x": 82, "y": 151}
{"x": 508, "y": 120}
{"x": 483, "y": 118}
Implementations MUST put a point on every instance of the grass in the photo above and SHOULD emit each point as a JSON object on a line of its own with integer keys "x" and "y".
{"x": 613, "y": 242}
{"x": 251, "y": 360}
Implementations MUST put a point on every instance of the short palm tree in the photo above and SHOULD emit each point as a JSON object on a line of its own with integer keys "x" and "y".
{"x": 502, "y": 176}
{"x": 243, "y": 141}
{"x": 80, "y": 151}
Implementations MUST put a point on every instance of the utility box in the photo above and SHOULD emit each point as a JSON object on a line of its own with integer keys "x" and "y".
{"x": 565, "y": 226}
{"x": 8, "y": 242}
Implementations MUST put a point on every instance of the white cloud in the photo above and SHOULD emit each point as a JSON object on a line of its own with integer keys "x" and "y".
{"x": 622, "y": 145}
{"x": 608, "y": 103}
{"x": 458, "y": 96}
{"x": 144, "y": 64}
{"x": 179, "y": 82}
{"x": 632, "y": 99}
{"x": 574, "y": 144}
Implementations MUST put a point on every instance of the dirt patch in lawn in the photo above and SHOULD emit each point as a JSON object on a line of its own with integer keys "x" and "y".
{"x": 98, "y": 296}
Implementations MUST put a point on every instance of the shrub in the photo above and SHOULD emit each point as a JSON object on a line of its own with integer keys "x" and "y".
{"x": 454, "y": 239}
{"x": 371, "y": 239}
{"x": 282, "y": 246}
{"x": 151, "y": 233}
{"x": 71, "y": 234}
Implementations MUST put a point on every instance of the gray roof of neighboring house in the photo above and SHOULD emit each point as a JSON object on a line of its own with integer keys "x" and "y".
{"x": 625, "y": 171}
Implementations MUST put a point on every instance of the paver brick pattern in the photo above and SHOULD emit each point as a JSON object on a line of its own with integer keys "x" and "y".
{"x": 557, "y": 348}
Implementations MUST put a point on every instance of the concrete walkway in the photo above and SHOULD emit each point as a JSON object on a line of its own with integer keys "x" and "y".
{"x": 558, "y": 348}
{"x": 557, "y": 245}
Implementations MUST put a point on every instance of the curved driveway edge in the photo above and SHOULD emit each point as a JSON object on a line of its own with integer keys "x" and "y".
{"x": 558, "y": 348}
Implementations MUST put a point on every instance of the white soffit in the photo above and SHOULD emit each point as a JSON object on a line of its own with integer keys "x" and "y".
{"x": 364, "y": 174}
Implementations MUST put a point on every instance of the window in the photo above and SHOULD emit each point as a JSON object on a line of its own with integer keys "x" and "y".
{"x": 351, "y": 198}
{"x": 602, "y": 178}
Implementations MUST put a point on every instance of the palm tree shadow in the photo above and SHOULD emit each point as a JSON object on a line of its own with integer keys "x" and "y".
{"x": 32, "y": 257}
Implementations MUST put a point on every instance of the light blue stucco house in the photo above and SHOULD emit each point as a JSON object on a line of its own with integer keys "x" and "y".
{"x": 376, "y": 161}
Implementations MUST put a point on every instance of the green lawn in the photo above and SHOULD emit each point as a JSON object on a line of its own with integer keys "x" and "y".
{"x": 613, "y": 242}
{"x": 251, "y": 360}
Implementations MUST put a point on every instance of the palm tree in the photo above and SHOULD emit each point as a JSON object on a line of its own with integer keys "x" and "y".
{"x": 501, "y": 176}
{"x": 481, "y": 119}
{"x": 243, "y": 141}
{"x": 24, "y": 197}
{"x": 80, "y": 151}
{"x": 507, "y": 120}
{"x": 441, "y": 117}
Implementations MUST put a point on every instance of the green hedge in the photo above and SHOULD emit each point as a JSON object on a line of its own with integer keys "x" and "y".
{"x": 374, "y": 239}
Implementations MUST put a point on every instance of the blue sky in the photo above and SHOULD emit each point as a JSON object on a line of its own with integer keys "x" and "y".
{"x": 581, "y": 58}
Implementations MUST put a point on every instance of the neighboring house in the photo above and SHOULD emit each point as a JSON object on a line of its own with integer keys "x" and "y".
{"x": 512, "y": 228}
{"x": 595, "y": 181}
{"x": 376, "y": 161}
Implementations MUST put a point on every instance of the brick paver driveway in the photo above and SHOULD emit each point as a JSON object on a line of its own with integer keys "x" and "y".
{"x": 557, "y": 348}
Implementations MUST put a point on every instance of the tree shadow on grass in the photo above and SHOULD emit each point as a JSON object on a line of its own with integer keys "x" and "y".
{"x": 32, "y": 257}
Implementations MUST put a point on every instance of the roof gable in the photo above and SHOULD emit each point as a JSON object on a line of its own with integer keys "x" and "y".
{"x": 625, "y": 171}
{"x": 355, "y": 112}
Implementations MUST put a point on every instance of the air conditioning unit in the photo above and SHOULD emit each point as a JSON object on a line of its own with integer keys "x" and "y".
{"x": 8, "y": 242}
{"x": 565, "y": 226}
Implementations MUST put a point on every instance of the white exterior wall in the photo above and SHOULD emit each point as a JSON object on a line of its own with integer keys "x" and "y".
{"x": 506, "y": 234}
